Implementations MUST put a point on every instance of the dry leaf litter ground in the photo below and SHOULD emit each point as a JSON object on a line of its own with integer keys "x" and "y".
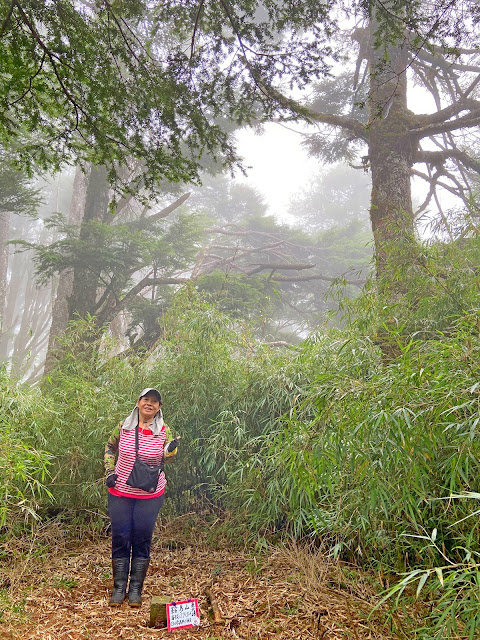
{"x": 288, "y": 592}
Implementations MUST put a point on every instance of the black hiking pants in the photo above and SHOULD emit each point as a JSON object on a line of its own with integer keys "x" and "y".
{"x": 133, "y": 521}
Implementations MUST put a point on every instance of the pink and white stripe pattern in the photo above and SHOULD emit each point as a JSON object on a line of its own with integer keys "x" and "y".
{"x": 150, "y": 450}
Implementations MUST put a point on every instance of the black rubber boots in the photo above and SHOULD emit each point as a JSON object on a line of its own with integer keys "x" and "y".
{"x": 120, "y": 567}
{"x": 137, "y": 576}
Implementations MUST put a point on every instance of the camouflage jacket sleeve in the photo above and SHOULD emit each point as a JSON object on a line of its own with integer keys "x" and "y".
{"x": 111, "y": 449}
{"x": 169, "y": 456}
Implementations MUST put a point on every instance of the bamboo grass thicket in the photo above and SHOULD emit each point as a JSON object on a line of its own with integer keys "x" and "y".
{"x": 24, "y": 461}
{"x": 366, "y": 456}
{"x": 323, "y": 441}
{"x": 328, "y": 440}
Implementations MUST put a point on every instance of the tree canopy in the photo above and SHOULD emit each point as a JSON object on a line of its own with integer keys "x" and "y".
{"x": 365, "y": 117}
{"x": 109, "y": 82}
{"x": 152, "y": 91}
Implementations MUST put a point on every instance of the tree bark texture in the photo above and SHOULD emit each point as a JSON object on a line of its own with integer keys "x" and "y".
{"x": 391, "y": 152}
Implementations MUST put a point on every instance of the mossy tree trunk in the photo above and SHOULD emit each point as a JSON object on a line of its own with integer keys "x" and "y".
{"x": 391, "y": 155}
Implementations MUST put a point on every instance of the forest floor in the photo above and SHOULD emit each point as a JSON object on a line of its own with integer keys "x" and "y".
{"x": 58, "y": 588}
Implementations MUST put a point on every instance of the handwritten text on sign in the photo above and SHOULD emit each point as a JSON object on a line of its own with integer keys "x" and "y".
{"x": 182, "y": 614}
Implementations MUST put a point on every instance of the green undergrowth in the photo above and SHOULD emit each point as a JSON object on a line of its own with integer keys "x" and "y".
{"x": 370, "y": 454}
{"x": 363, "y": 441}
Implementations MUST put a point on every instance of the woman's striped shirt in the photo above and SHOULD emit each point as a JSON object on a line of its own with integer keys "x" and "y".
{"x": 150, "y": 450}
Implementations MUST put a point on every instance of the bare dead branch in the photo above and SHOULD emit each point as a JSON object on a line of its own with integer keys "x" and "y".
{"x": 168, "y": 210}
{"x": 279, "y": 266}
{"x": 217, "y": 614}
{"x": 439, "y": 183}
{"x": 277, "y": 278}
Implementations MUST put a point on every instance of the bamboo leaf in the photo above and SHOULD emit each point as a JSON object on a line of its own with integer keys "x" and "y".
{"x": 421, "y": 582}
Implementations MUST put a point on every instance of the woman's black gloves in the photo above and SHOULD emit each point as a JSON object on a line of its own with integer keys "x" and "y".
{"x": 111, "y": 480}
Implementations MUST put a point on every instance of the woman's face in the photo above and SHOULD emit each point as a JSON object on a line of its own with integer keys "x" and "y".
{"x": 148, "y": 406}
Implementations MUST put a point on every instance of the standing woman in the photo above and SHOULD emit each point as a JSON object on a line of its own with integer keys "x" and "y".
{"x": 133, "y": 511}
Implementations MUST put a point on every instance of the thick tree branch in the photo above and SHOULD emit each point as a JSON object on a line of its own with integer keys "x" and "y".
{"x": 440, "y": 122}
{"x": 447, "y": 66}
{"x": 149, "y": 282}
{"x": 144, "y": 283}
{"x": 350, "y": 124}
{"x": 439, "y": 157}
{"x": 168, "y": 210}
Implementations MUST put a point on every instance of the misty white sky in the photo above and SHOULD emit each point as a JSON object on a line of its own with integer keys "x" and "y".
{"x": 277, "y": 165}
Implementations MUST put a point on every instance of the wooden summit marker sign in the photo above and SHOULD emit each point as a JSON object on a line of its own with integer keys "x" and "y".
{"x": 182, "y": 614}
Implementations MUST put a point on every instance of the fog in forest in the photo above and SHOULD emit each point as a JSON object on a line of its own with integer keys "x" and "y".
{"x": 266, "y": 215}
{"x": 283, "y": 198}
{"x": 297, "y": 223}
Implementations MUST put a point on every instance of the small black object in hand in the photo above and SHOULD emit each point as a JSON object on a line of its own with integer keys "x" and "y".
{"x": 172, "y": 445}
{"x": 111, "y": 480}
